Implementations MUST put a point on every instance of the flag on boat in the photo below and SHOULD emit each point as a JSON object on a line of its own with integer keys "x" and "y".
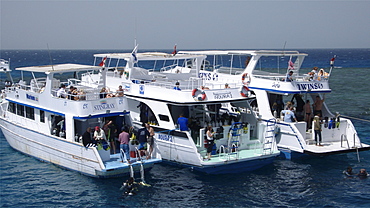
{"x": 290, "y": 64}
{"x": 133, "y": 55}
{"x": 332, "y": 61}
{"x": 174, "y": 51}
{"x": 102, "y": 63}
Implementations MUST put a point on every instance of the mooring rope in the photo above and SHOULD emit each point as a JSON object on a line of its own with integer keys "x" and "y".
{"x": 356, "y": 118}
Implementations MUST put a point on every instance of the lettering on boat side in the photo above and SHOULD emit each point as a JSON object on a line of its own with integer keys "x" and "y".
{"x": 85, "y": 106}
{"x": 165, "y": 137}
{"x": 141, "y": 89}
{"x": 222, "y": 95}
{"x": 31, "y": 97}
{"x": 103, "y": 106}
{"x": 208, "y": 76}
{"x": 120, "y": 102}
{"x": 310, "y": 86}
{"x": 276, "y": 85}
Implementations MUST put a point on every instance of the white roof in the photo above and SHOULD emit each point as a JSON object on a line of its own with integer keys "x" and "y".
{"x": 245, "y": 52}
{"x": 58, "y": 68}
{"x": 149, "y": 56}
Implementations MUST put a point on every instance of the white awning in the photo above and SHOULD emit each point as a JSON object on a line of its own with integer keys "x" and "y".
{"x": 59, "y": 68}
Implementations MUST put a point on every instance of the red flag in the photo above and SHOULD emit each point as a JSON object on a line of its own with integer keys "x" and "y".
{"x": 332, "y": 61}
{"x": 174, "y": 51}
{"x": 102, "y": 63}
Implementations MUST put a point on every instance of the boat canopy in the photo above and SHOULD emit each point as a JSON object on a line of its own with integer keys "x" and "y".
{"x": 245, "y": 52}
{"x": 148, "y": 56}
{"x": 59, "y": 68}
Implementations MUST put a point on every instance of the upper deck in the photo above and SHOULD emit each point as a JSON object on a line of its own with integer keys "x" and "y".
{"x": 265, "y": 70}
{"x": 40, "y": 90}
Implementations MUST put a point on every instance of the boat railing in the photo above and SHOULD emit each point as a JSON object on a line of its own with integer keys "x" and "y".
{"x": 168, "y": 68}
{"x": 301, "y": 78}
{"x": 184, "y": 84}
{"x": 86, "y": 94}
{"x": 354, "y": 140}
{"x": 343, "y": 137}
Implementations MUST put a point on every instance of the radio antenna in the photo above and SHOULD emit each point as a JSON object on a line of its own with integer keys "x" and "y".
{"x": 51, "y": 61}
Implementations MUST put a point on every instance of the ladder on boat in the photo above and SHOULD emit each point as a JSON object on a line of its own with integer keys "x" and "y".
{"x": 234, "y": 140}
{"x": 269, "y": 138}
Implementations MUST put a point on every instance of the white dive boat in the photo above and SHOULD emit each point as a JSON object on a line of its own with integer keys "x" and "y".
{"x": 265, "y": 73}
{"x": 5, "y": 69}
{"x": 243, "y": 142}
{"x": 37, "y": 122}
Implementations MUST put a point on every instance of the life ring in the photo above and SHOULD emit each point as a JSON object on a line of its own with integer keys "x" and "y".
{"x": 194, "y": 92}
{"x": 244, "y": 91}
{"x": 244, "y": 76}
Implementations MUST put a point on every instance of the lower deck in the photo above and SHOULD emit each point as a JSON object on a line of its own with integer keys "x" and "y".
{"x": 116, "y": 162}
{"x": 246, "y": 154}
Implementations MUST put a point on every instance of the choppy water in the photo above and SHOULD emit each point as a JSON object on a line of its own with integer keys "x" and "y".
{"x": 308, "y": 182}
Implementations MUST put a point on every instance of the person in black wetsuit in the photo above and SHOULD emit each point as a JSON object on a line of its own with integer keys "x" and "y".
{"x": 130, "y": 186}
{"x": 86, "y": 138}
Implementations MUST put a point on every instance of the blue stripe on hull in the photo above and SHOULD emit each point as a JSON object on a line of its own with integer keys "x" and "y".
{"x": 237, "y": 167}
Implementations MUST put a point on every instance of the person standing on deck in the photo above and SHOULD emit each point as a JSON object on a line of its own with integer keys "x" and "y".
{"x": 183, "y": 123}
{"x": 317, "y": 106}
{"x": 142, "y": 137}
{"x": 317, "y": 128}
{"x": 307, "y": 110}
{"x": 124, "y": 139}
{"x": 289, "y": 115}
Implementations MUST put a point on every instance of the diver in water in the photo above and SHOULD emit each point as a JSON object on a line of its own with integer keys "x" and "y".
{"x": 130, "y": 186}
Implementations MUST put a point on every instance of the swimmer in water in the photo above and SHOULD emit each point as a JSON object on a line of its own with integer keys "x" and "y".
{"x": 348, "y": 172}
{"x": 362, "y": 173}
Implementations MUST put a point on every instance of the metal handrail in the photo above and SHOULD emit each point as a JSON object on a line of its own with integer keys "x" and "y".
{"x": 341, "y": 140}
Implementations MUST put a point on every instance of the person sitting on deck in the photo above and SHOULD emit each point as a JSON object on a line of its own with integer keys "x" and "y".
{"x": 87, "y": 141}
{"x": 177, "y": 86}
{"x": 120, "y": 91}
{"x": 289, "y": 77}
{"x": 61, "y": 93}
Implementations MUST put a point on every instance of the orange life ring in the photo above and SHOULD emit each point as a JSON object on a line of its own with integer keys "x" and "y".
{"x": 193, "y": 94}
{"x": 242, "y": 89}
{"x": 245, "y": 75}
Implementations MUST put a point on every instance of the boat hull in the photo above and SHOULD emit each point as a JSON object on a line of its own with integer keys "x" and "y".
{"x": 227, "y": 167}
{"x": 68, "y": 155}
{"x": 290, "y": 154}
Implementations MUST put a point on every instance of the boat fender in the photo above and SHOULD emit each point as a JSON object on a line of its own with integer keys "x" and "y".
{"x": 244, "y": 91}
{"x": 245, "y": 79}
{"x": 196, "y": 98}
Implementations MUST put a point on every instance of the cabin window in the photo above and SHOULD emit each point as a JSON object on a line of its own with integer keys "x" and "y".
{"x": 30, "y": 113}
{"x": 20, "y": 110}
{"x": 42, "y": 116}
{"x": 11, "y": 108}
{"x": 164, "y": 117}
{"x": 58, "y": 125}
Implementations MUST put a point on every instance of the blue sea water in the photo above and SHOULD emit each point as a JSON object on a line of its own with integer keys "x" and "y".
{"x": 306, "y": 182}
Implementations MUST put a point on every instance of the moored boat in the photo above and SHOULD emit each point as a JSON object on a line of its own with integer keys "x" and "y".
{"x": 160, "y": 87}
{"x": 276, "y": 78}
{"x": 39, "y": 118}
